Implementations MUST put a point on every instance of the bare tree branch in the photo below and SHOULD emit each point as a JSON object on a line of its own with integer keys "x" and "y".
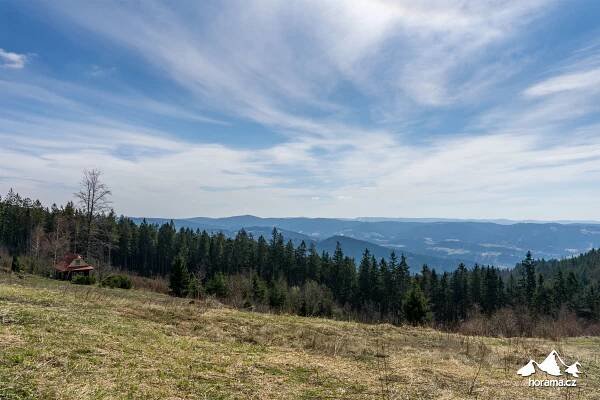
{"x": 94, "y": 198}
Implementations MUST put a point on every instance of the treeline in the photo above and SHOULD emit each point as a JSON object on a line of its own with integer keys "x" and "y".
{"x": 274, "y": 274}
{"x": 585, "y": 267}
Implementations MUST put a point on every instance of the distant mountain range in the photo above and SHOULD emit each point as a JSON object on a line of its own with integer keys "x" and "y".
{"x": 439, "y": 243}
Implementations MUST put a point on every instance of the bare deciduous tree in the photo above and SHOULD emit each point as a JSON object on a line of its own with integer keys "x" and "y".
{"x": 58, "y": 241}
{"x": 38, "y": 238}
{"x": 94, "y": 198}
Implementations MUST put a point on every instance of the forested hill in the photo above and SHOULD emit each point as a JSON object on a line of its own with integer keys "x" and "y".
{"x": 272, "y": 273}
{"x": 352, "y": 246}
{"x": 500, "y": 244}
{"x": 355, "y": 248}
{"x": 586, "y": 267}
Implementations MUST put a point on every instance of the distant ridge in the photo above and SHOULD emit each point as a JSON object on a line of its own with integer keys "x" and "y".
{"x": 500, "y": 221}
{"x": 444, "y": 241}
{"x": 355, "y": 248}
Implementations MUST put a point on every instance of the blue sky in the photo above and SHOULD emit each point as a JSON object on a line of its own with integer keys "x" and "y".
{"x": 457, "y": 109}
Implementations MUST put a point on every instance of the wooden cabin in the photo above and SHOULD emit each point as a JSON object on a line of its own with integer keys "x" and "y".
{"x": 71, "y": 265}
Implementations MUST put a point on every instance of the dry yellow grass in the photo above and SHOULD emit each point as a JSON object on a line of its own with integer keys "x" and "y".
{"x": 61, "y": 341}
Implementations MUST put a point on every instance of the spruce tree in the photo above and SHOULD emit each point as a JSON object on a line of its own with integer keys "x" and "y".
{"x": 559, "y": 290}
{"x": 489, "y": 301}
{"x": 364, "y": 276}
{"x": 262, "y": 258}
{"x": 512, "y": 291}
{"x": 375, "y": 282}
{"x": 527, "y": 283}
{"x": 441, "y": 300}
{"x": 337, "y": 270}
{"x": 259, "y": 290}
{"x": 277, "y": 294}
{"x": 475, "y": 284}
{"x": 572, "y": 290}
{"x": 401, "y": 278}
{"x": 542, "y": 301}
{"x": 460, "y": 292}
{"x": 387, "y": 286}
{"x": 415, "y": 306}
{"x": 314, "y": 264}
{"x": 180, "y": 277}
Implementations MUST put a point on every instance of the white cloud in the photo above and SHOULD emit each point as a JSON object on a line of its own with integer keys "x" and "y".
{"x": 283, "y": 67}
{"x": 12, "y": 60}
{"x": 259, "y": 60}
{"x": 584, "y": 80}
{"x": 560, "y": 103}
{"x": 73, "y": 98}
{"x": 489, "y": 176}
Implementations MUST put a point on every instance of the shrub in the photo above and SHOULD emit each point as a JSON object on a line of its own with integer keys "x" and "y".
{"x": 277, "y": 294}
{"x": 415, "y": 307}
{"x": 217, "y": 285}
{"x": 117, "y": 282}
{"x": 195, "y": 289}
{"x": 259, "y": 290}
{"x": 239, "y": 288}
{"x": 83, "y": 280}
{"x": 315, "y": 300}
{"x": 155, "y": 284}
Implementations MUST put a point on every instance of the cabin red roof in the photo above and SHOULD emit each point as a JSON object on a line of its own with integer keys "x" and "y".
{"x": 72, "y": 263}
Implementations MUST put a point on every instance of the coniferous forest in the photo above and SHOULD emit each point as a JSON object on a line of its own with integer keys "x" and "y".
{"x": 272, "y": 274}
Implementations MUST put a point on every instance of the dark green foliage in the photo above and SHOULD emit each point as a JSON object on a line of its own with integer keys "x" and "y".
{"x": 117, "y": 282}
{"x": 83, "y": 280}
{"x": 559, "y": 289}
{"x": 585, "y": 267}
{"x": 217, "y": 285}
{"x": 180, "y": 277}
{"x": 527, "y": 282}
{"x": 259, "y": 290}
{"x": 460, "y": 292}
{"x": 277, "y": 294}
{"x": 364, "y": 277}
{"x": 441, "y": 301}
{"x": 194, "y": 289}
{"x": 415, "y": 306}
{"x": 490, "y": 298}
{"x": 275, "y": 274}
{"x": 542, "y": 301}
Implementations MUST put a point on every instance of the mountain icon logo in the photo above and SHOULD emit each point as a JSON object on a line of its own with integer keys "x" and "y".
{"x": 551, "y": 365}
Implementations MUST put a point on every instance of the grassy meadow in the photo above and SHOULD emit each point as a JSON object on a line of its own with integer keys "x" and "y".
{"x": 63, "y": 341}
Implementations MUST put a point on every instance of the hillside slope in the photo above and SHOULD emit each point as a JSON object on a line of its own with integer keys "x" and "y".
{"x": 585, "y": 266}
{"x": 61, "y": 341}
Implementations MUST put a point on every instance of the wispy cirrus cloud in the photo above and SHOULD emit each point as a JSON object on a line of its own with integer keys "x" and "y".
{"x": 565, "y": 98}
{"x": 369, "y": 107}
{"x": 578, "y": 73}
{"x": 584, "y": 80}
{"x": 508, "y": 170}
{"x": 258, "y": 60}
